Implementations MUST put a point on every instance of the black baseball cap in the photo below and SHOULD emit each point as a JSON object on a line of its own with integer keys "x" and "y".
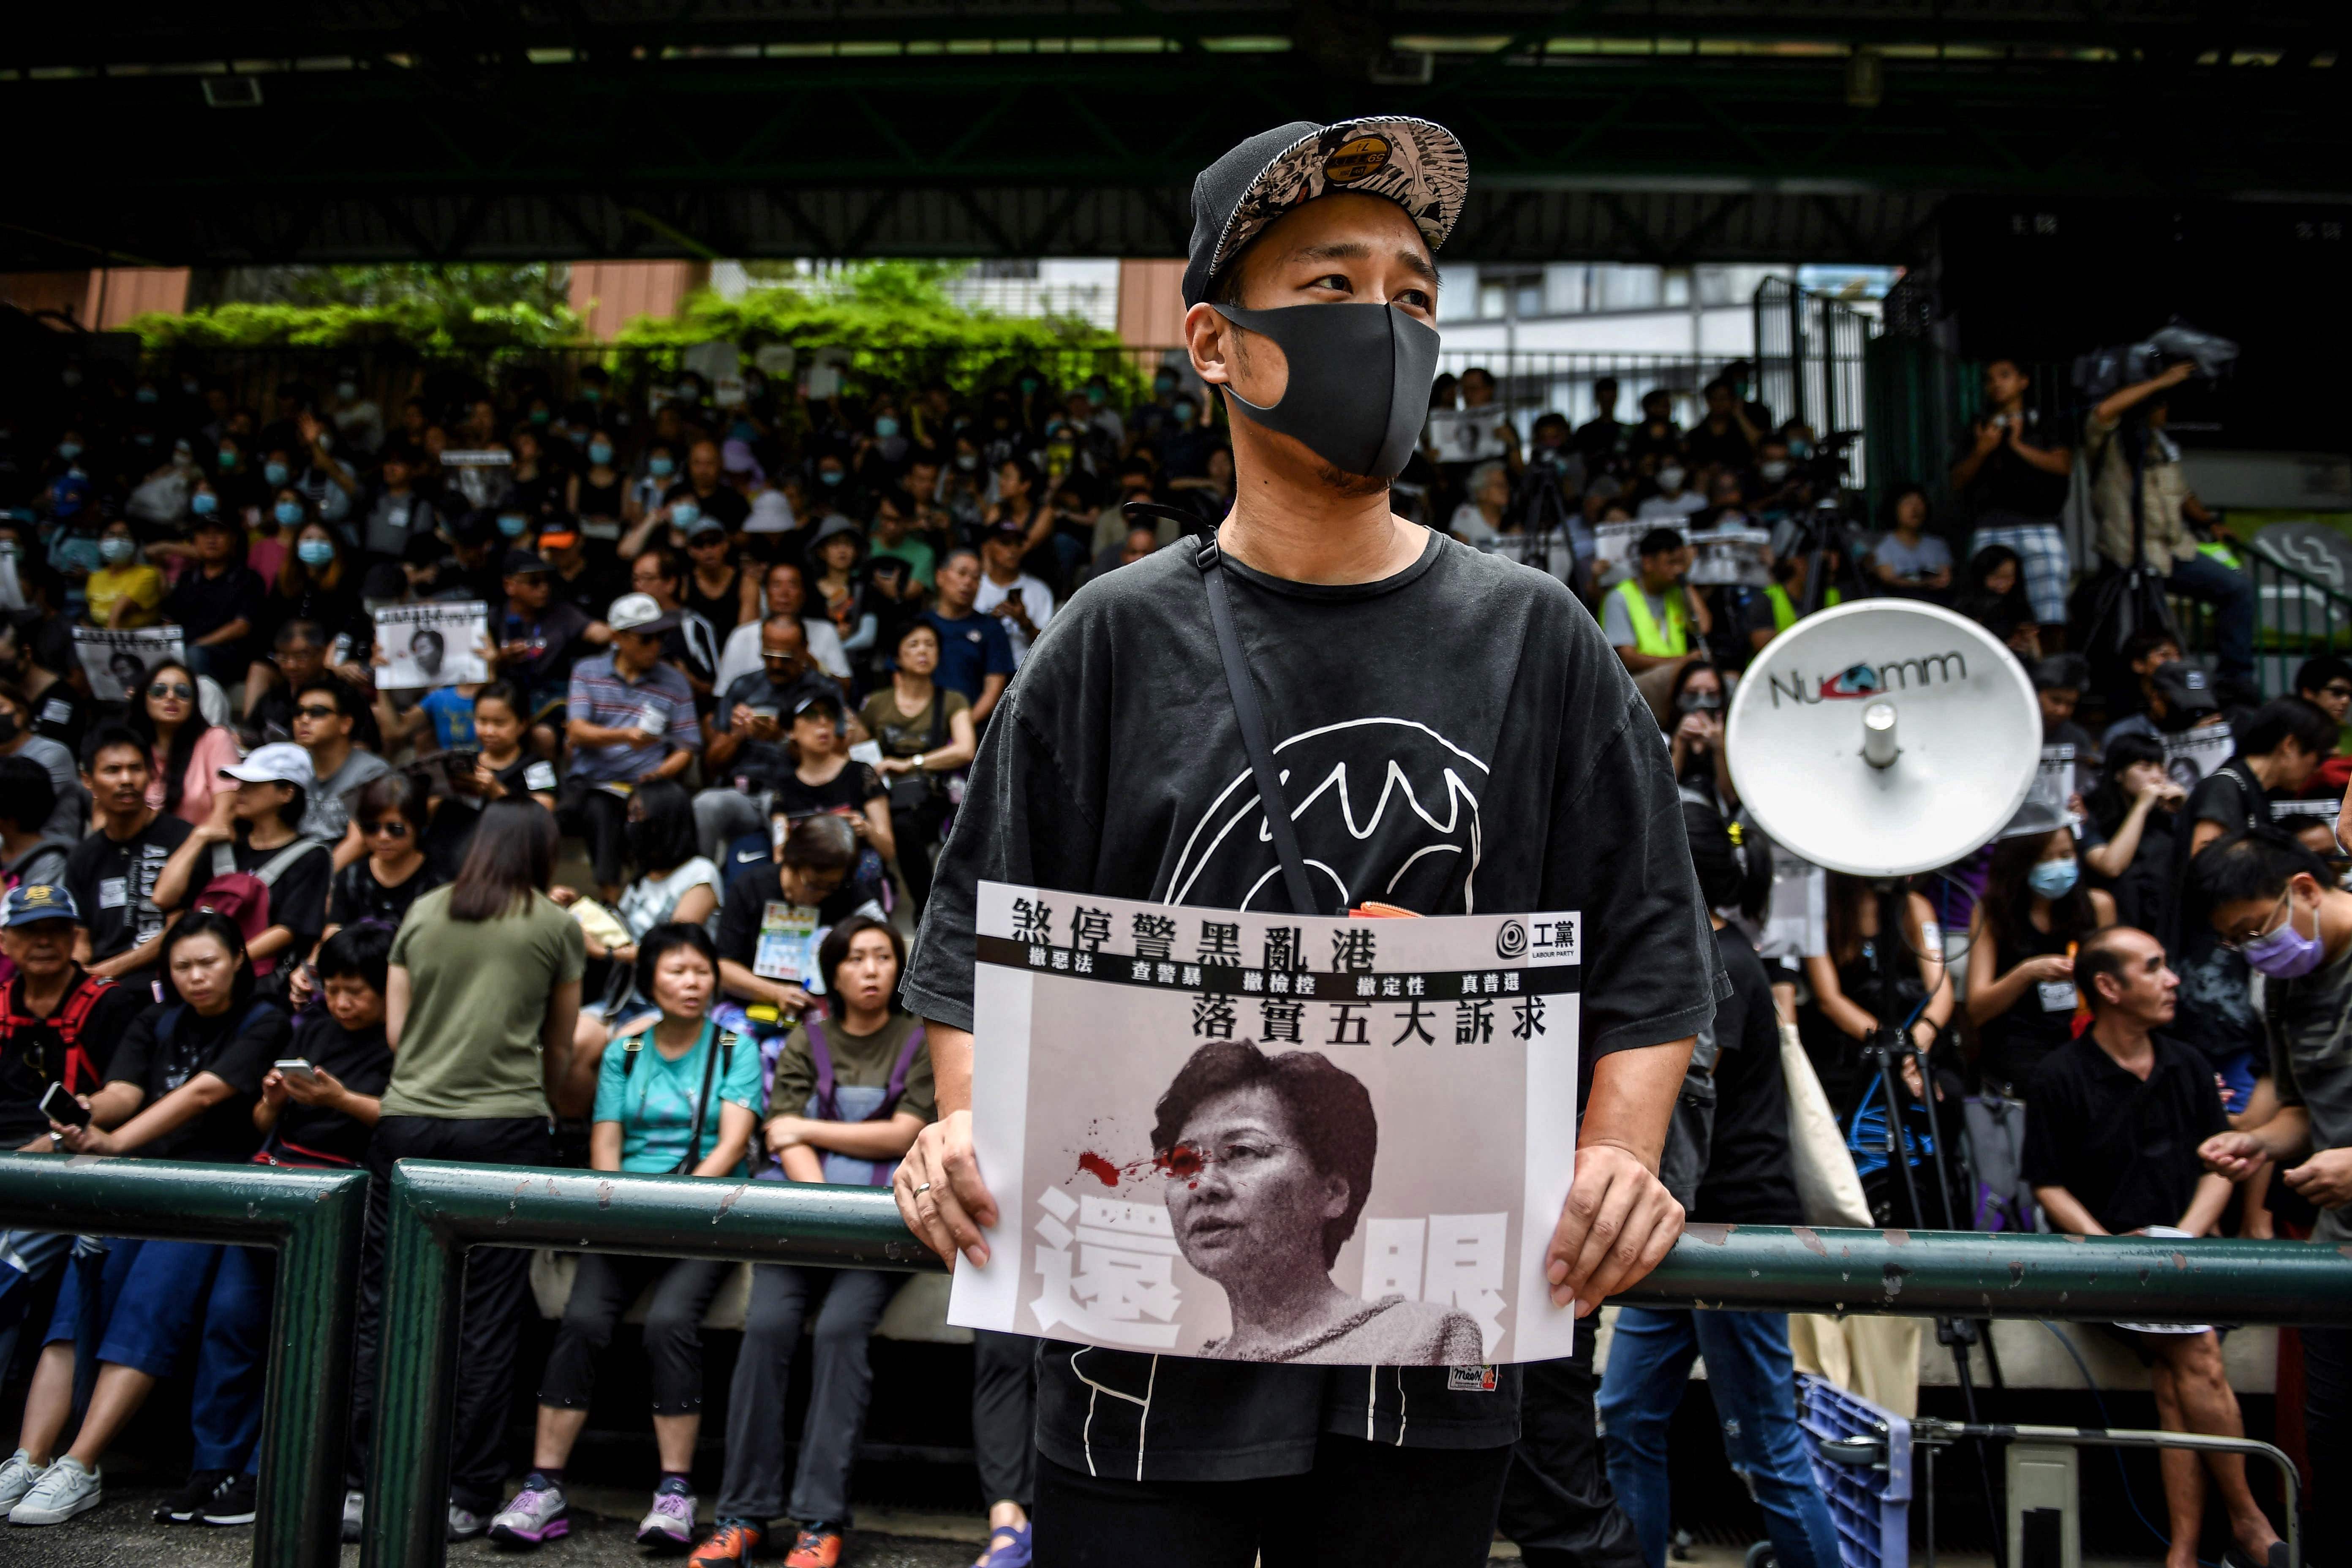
{"x": 524, "y": 563}
{"x": 2185, "y": 689}
{"x": 1416, "y": 163}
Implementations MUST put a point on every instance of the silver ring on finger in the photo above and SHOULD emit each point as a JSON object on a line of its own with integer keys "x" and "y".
{"x": 922, "y": 1187}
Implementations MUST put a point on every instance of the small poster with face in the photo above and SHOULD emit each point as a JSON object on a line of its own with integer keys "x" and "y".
{"x": 2191, "y": 754}
{"x": 1467, "y": 435}
{"x": 1243, "y": 1136}
{"x": 1612, "y": 549}
{"x": 432, "y": 644}
{"x": 116, "y": 662}
{"x": 1731, "y": 555}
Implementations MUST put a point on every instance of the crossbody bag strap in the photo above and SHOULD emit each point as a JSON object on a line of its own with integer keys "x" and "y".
{"x": 821, "y": 1059}
{"x": 693, "y": 1156}
{"x": 1278, "y": 822}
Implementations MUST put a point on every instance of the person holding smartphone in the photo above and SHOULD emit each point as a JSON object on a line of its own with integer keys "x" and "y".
{"x": 1015, "y": 597}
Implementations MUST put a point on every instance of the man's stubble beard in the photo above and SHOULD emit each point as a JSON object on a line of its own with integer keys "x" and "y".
{"x": 1352, "y": 487}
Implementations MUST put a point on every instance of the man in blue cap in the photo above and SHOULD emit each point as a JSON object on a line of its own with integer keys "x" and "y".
{"x": 1375, "y": 650}
{"x": 58, "y": 1023}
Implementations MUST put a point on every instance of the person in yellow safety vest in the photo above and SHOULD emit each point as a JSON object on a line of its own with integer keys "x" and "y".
{"x": 1785, "y": 592}
{"x": 1652, "y": 618}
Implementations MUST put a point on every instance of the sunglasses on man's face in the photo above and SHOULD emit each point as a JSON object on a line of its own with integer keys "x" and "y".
{"x": 317, "y": 711}
{"x": 179, "y": 689}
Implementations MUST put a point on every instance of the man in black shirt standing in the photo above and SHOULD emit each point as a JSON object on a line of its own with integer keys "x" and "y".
{"x": 1751, "y": 1374}
{"x": 2111, "y": 1149}
{"x": 111, "y": 874}
{"x": 1377, "y": 650}
{"x": 2013, "y": 479}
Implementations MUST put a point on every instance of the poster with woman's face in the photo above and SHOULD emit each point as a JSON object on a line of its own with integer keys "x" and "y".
{"x": 428, "y": 644}
{"x": 1260, "y": 1137}
{"x": 116, "y": 662}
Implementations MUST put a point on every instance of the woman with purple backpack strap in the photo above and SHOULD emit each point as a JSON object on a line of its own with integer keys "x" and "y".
{"x": 851, "y": 1091}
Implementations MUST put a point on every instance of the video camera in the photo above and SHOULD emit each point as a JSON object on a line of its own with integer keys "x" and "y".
{"x": 2105, "y": 371}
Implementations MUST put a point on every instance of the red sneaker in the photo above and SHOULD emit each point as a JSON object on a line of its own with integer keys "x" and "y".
{"x": 818, "y": 1548}
{"x": 730, "y": 1545}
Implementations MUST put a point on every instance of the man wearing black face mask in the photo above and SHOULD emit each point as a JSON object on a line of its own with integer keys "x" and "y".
{"x": 1375, "y": 650}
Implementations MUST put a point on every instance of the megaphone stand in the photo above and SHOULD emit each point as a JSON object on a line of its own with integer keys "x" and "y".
{"x": 1887, "y": 1049}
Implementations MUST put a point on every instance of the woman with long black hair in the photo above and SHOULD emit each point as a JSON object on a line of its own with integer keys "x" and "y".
{"x": 480, "y": 1007}
{"x": 2136, "y": 807}
{"x": 1885, "y": 958}
{"x": 189, "y": 749}
{"x": 2021, "y": 942}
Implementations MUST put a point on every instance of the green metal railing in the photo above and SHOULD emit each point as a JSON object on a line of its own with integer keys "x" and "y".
{"x": 315, "y": 1220}
{"x": 440, "y": 1210}
{"x": 2297, "y": 616}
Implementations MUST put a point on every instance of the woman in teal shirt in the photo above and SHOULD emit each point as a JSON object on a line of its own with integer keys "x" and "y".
{"x": 678, "y": 1098}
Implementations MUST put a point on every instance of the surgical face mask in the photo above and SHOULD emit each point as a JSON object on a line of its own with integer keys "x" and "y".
{"x": 514, "y": 525}
{"x": 967, "y": 461}
{"x": 288, "y": 513}
{"x": 541, "y": 415}
{"x": 228, "y": 457}
{"x": 660, "y": 467}
{"x": 144, "y": 438}
{"x": 1773, "y": 468}
{"x": 115, "y": 549}
{"x": 592, "y": 394}
{"x": 1028, "y": 385}
{"x": 2053, "y": 879}
{"x": 885, "y": 427}
{"x": 828, "y": 477}
{"x": 191, "y": 385}
{"x": 204, "y": 504}
{"x": 314, "y": 553}
{"x": 273, "y": 473}
{"x": 1359, "y": 380}
{"x": 1670, "y": 478}
{"x": 1163, "y": 383}
{"x": 600, "y": 452}
{"x": 1098, "y": 396}
{"x": 1800, "y": 448}
{"x": 685, "y": 514}
{"x": 1185, "y": 412}
{"x": 2286, "y": 952}
{"x": 68, "y": 450}
{"x": 144, "y": 394}
{"x": 347, "y": 390}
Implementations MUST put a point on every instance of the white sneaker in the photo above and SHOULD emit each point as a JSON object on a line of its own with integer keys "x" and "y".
{"x": 354, "y": 1511}
{"x": 64, "y": 1490}
{"x": 16, "y": 1479}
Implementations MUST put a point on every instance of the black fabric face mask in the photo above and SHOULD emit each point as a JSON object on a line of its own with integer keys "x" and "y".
{"x": 1360, "y": 382}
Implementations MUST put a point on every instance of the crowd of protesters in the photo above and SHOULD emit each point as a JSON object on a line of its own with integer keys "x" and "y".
{"x": 269, "y": 906}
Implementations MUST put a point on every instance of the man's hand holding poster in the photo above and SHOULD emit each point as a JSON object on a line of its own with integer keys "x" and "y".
{"x": 1265, "y": 1137}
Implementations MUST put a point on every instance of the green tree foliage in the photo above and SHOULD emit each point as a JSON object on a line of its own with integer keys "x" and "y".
{"x": 432, "y": 309}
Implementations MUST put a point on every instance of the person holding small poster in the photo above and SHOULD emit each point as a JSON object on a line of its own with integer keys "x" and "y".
{"x": 1135, "y": 756}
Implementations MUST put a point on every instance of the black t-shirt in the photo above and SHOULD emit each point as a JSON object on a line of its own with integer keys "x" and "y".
{"x": 1726, "y": 447}
{"x": 725, "y": 504}
{"x": 33, "y": 1050}
{"x": 1748, "y": 1179}
{"x": 2125, "y": 1148}
{"x": 592, "y": 593}
{"x": 750, "y": 892}
{"x": 360, "y": 1060}
{"x": 2007, "y": 483}
{"x": 847, "y": 789}
{"x": 297, "y": 900}
{"x": 2216, "y": 1011}
{"x": 358, "y": 896}
{"x": 553, "y": 645}
{"x": 114, "y": 883}
{"x": 1555, "y": 796}
{"x": 763, "y": 762}
{"x": 61, "y": 714}
{"x": 169, "y": 1045}
{"x": 202, "y": 604}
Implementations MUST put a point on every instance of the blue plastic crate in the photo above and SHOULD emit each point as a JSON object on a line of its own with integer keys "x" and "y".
{"x": 1872, "y": 1507}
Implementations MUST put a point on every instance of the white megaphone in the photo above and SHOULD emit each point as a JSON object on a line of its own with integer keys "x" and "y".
{"x": 1884, "y": 738}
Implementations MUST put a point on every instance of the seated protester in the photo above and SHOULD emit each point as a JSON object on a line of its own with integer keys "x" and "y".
{"x": 253, "y": 832}
{"x": 1741, "y": 1177}
{"x": 2173, "y": 696}
{"x": 393, "y": 812}
{"x": 2135, "y": 809}
{"x": 318, "y": 583}
{"x": 1784, "y": 601}
{"x": 794, "y": 896}
{"x": 2326, "y": 682}
{"x": 1884, "y": 955}
{"x": 850, "y": 1095}
{"x": 835, "y": 556}
{"x": 111, "y": 874}
{"x": 679, "y": 1096}
{"x": 826, "y": 778}
{"x": 218, "y": 605}
{"x": 674, "y": 886}
{"x": 2111, "y": 1149}
{"x": 69, "y": 810}
{"x": 320, "y": 1119}
{"x": 691, "y": 646}
{"x": 630, "y": 719}
{"x": 398, "y": 519}
{"x": 188, "y": 750}
{"x": 1992, "y": 595}
{"x": 51, "y": 709}
{"x": 2277, "y": 755}
{"x": 29, "y": 852}
{"x": 2033, "y": 914}
{"x": 785, "y": 592}
{"x": 745, "y": 754}
{"x": 925, "y": 731}
{"x": 1908, "y": 561}
{"x": 125, "y": 590}
{"x": 58, "y": 1024}
{"x": 1695, "y": 708}
{"x": 182, "y": 1086}
{"x": 337, "y": 732}
{"x": 539, "y": 639}
{"x": 298, "y": 656}
{"x": 1021, "y": 601}
{"x": 1652, "y": 618}
{"x": 501, "y": 769}
{"x": 585, "y": 584}
{"x": 2058, "y": 683}
{"x": 975, "y": 653}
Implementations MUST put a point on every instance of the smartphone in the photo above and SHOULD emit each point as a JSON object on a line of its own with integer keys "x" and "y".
{"x": 1012, "y": 595}
{"x": 59, "y": 1106}
{"x": 462, "y": 760}
{"x": 295, "y": 1066}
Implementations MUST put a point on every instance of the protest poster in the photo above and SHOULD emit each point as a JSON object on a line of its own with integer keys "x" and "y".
{"x": 1466, "y": 435}
{"x": 116, "y": 662}
{"x": 1741, "y": 556}
{"x": 1237, "y": 1136}
{"x": 2053, "y": 780}
{"x": 432, "y": 643}
{"x": 786, "y": 950}
{"x": 2296, "y": 815}
{"x": 1612, "y": 549}
{"x": 2192, "y": 754}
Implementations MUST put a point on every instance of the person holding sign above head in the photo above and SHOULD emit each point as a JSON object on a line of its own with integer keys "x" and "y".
{"x": 1322, "y": 637}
